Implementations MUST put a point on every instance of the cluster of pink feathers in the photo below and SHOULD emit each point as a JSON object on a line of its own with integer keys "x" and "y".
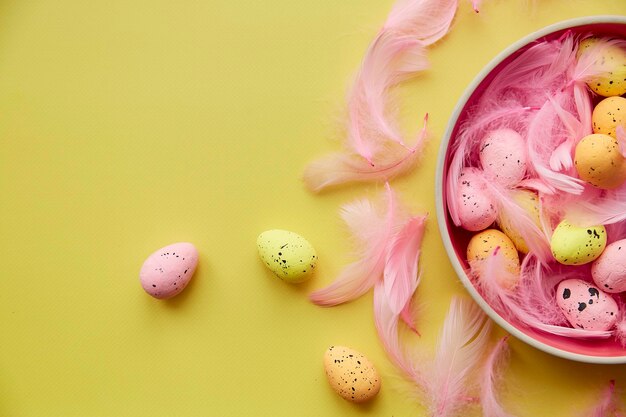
{"x": 541, "y": 94}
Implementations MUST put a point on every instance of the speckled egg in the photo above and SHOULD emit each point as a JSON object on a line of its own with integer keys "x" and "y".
{"x": 609, "y": 270}
{"x": 608, "y": 114}
{"x": 503, "y": 156}
{"x": 287, "y": 254}
{"x": 586, "y": 306}
{"x": 599, "y": 162}
{"x": 477, "y": 210}
{"x": 612, "y": 61}
{"x": 574, "y": 245}
{"x": 483, "y": 244}
{"x": 529, "y": 201}
{"x": 351, "y": 374}
{"x": 168, "y": 270}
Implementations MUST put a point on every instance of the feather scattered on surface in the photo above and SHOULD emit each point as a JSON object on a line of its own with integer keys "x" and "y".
{"x": 491, "y": 379}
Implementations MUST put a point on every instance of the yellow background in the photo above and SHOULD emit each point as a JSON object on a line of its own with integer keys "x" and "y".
{"x": 129, "y": 125}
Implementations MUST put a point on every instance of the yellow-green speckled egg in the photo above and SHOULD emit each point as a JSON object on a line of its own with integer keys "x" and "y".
{"x": 287, "y": 254}
{"x": 574, "y": 245}
{"x": 608, "y": 114}
{"x": 612, "y": 61}
{"x": 483, "y": 244}
{"x": 599, "y": 162}
{"x": 529, "y": 201}
{"x": 351, "y": 374}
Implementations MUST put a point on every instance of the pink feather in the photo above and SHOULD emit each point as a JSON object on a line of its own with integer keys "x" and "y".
{"x": 460, "y": 347}
{"x": 490, "y": 380}
{"x": 344, "y": 167}
{"x": 607, "y": 404}
{"x": 397, "y": 53}
{"x": 372, "y": 231}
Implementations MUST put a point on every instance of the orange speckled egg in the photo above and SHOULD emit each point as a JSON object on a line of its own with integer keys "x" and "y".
{"x": 351, "y": 374}
{"x": 599, "y": 161}
{"x": 608, "y": 114}
{"x": 483, "y": 244}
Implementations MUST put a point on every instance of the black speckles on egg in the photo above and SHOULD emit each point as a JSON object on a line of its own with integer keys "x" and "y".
{"x": 351, "y": 374}
{"x": 288, "y": 255}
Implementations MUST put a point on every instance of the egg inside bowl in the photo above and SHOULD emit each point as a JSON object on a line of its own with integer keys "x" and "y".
{"x": 456, "y": 238}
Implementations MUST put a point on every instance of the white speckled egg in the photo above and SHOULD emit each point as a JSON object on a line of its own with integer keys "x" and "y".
{"x": 609, "y": 270}
{"x": 585, "y": 306}
{"x": 477, "y": 210}
{"x": 168, "y": 270}
{"x": 608, "y": 114}
{"x": 503, "y": 156}
{"x": 287, "y": 254}
{"x": 574, "y": 245}
{"x": 351, "y": 374}
{"x": 599, "y": 161}
{"x": 612, "y": 61}
{"x": 529, "y": 201}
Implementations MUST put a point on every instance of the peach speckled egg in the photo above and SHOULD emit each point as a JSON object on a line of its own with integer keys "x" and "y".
{"x": 477, "y": 210}
{"x": 586, "y": 306}
{"x": 503, "y": 156}
{"x": 609, "y": 270}
{"x": 483, "y": 244}
{"x": 608, "y": 114}
{"x": 351, "y": 374}
{"x": 599, "y": 161}
{"x": 168, "y": 270}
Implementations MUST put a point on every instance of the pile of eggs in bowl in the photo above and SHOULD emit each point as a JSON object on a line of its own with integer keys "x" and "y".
{"x": 535, "y": 187}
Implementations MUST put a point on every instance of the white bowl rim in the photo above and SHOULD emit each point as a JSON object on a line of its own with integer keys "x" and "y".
{"x": 441, "y": 216}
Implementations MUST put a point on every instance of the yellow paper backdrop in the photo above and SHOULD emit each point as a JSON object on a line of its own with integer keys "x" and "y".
{"x": 129, "y": 125}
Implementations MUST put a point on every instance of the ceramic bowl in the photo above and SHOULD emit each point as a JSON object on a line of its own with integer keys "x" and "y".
{"x": 455, "y": 239}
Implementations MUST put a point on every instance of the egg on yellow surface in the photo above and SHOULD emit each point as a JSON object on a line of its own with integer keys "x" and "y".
{"x": 482, "y": 245}
{"x": 599, "y": 162}
{"x": 529, "y": 201}
{"x": 608, "y": 114}
{"x": 611, "y": 61}
{"x": 287, "y": 254}
{"x": 574, "y": 245}
{"x": 351, "y": 374}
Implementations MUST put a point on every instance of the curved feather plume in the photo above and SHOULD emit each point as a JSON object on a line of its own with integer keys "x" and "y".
{"x": 460, "y": 347}
{"x": 607, "y": 405}
{"x": 372, "y": 231}
{"x": 490, "y": 379}
{"x": 397, "y": 53}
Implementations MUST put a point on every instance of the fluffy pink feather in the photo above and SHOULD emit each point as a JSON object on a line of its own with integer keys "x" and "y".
{"x": 397, "y": 53}
{"x": 490, "y": 379}
{"x": 344, "y": 167}
{"x": 460, "y": 347}
{"x": 607, "y": 404}
{"x": 372, "y": 231}
{"x": 590, "y": 63}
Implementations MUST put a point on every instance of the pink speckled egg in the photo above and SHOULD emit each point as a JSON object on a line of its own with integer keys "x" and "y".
{"x": 168, "y": 270}
{"x": 609, "y": 270}
{"x": 586, "y": 306}
{"x": 503, "y": 156}
{"x": 477, "y": 210}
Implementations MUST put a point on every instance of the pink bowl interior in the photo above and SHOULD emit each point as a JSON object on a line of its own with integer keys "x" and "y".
{"x": 460, "y": 238}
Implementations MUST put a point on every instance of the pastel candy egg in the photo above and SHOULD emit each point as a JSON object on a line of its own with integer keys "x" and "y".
{"x": 503, "y": 156}
{"x": 586, "y": 306}
{"x": 287, "y": 254}
{"x": 482, "y": 245}
{"x": 529, "y": 202}
{"x": 351, "y": 374}
{"x": 574, "y": 245}
{"x": 610, "y": 61}
{"x": 609, "y": 270}
{"x": 477, "y": 210}
{"x": 599, "y": 162}
{"x": 168, "y": 270}
{"x": 608, "y": 114}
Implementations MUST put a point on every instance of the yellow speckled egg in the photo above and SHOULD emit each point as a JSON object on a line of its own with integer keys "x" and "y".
{"x": 612, "y": 61}
{"x": 529, "y": 201}
{"x": 608, "y": 114}
{"x": 574, "y": 245}
{"x": 599, "y": 162}
{"x": 351, "y": 374}
{"x": 287, "y": 254}
{"x": 483, "y": 244}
